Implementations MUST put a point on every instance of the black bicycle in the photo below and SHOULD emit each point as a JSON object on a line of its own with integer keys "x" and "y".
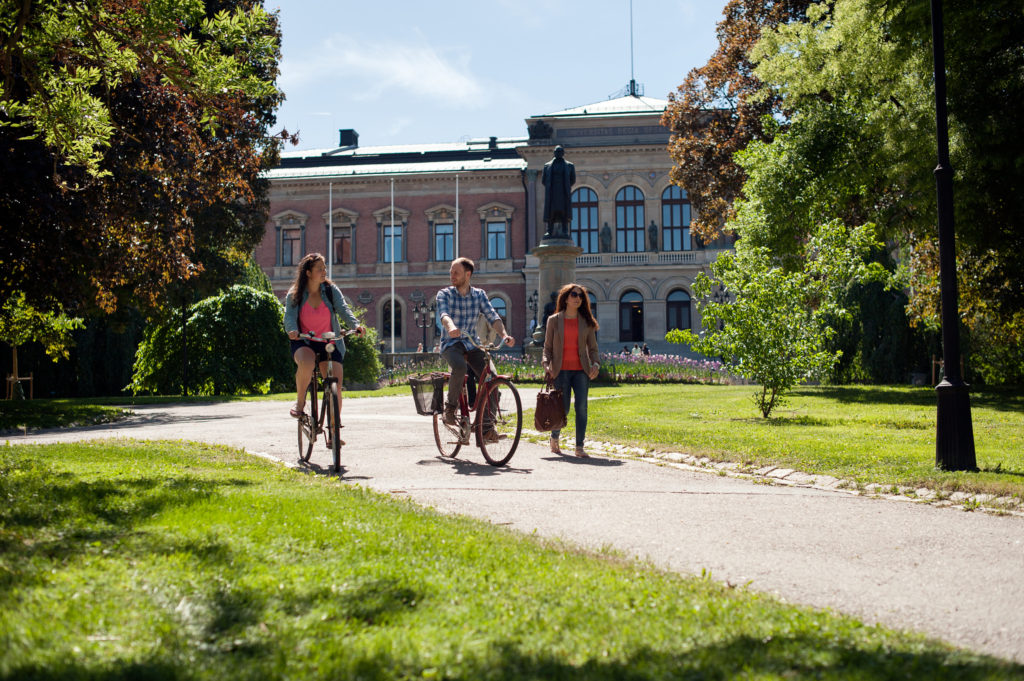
{"x": 326, "y": 412}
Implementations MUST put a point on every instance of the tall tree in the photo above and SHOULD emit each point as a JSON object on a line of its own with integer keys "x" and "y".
{"x": 860, "y": 146}
{"x": 124, "y": 126}
{"x": 716, "y": 112}
{"x": 984, "y": 51}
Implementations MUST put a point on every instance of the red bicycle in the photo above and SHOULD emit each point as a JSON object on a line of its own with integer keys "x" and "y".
{"x": 499, "y": 415}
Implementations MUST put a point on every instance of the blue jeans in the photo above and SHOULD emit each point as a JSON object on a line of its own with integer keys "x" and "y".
{"x": 579, "y": 383}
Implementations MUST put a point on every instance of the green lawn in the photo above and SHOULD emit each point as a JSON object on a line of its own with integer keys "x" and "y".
{"x": 124, "y": 560}
{"x": 58, "y": 413}
{"x": 883, "y": 435}
{"x": 867, "y": 434}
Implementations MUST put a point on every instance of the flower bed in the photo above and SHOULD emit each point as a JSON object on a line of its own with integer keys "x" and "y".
{"x": 615, "y": 368}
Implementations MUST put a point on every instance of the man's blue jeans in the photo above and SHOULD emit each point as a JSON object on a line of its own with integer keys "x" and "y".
{"x": 579, "y": 384}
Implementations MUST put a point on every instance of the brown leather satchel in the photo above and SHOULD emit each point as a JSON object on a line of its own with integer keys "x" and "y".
{"x": 550, "y": 412}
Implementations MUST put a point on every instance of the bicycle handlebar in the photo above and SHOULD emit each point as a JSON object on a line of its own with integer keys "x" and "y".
{"x": 327, "y": 337}
{"x": 486, "y": 347}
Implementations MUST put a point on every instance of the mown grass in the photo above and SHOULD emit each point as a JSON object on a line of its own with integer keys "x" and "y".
{"x": 33, "y": 414}
{"x": 127, "y": 560}
{"x": 883, "y": 435}
{"x": 88, "y": 411}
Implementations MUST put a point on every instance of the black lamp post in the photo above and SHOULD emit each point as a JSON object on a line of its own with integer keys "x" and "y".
{"x": 422, "y": 316}
{"x": 720, "y": 296}
{"x": 954, "y": 441}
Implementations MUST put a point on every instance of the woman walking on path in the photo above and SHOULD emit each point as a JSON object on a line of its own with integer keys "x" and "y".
{"x": 313, "y": 304}
{"x": 570, "y": 356}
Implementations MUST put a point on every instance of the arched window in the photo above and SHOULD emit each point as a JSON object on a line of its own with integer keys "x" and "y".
{"x": 385, "y": 322}
{"x": 501, "y": 308}
{"x": 675, "y": 219}
{"x": 629, "y": 220}
{"x": 593, "y": 304}
{"x": 677, "y": 310}
{"x": 631, "y": 317}
{"x": 583, "y": 230}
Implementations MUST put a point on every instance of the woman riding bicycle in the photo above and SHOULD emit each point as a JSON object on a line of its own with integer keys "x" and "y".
{"x": 311, "y": 306}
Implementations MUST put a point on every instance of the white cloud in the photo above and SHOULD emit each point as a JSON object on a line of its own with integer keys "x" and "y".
{"x": 372, "y": 70}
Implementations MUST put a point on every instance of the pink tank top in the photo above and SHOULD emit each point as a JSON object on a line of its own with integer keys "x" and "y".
{"x": 315, "y": 319}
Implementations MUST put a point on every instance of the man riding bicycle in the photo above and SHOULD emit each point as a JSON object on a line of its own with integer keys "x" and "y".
{"x": 458, "y": 307}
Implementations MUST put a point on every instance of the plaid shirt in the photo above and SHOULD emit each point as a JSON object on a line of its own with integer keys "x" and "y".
{"x": 464, "y": 311}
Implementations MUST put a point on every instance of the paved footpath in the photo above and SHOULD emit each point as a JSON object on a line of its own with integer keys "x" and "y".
{"x": 953, "y": 575}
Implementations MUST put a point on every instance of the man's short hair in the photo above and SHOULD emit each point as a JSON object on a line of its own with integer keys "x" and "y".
{"x": 466, "y": 263}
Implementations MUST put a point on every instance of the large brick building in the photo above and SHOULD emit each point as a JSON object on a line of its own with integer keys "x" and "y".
{"x": 483, "y": 199}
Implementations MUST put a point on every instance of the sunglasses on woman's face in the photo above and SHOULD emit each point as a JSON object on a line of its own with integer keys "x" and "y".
{"x": 575, "y": 294}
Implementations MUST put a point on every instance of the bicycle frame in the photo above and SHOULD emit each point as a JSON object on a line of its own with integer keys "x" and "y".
{"x": 489, "y": 373}
{"x": 312, "y": 426}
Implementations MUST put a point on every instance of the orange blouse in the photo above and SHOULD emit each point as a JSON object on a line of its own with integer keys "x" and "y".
{"x": 570, "y": 346}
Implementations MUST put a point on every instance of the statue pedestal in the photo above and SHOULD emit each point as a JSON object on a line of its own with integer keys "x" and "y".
{"x": 535, "y": 351}
{"x": 556, "y": 267}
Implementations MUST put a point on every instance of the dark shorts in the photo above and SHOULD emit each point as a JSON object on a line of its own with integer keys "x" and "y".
{"x": 318, "y": 348}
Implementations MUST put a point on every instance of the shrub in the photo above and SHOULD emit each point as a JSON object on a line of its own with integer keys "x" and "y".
{"x": 235, "y": 343}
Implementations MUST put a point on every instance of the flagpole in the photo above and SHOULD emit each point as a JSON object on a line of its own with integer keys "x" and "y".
{"x": 456, "y": 254}
{"x": 392, "y": 265}
{"x": 330, "y": 231}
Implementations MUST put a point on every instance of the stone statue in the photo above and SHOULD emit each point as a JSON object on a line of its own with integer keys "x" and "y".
{"x": 652, "y": 237}
{"x": 606, "y": 239}
{"x": 558, "y": 178}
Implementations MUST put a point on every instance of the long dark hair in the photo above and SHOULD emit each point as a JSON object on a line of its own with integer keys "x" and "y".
{"x": 584, "y": 311}
{"x": 302, "y": 276}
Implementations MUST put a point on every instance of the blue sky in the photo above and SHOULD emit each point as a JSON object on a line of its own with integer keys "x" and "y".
{"x": 404, "y": 72}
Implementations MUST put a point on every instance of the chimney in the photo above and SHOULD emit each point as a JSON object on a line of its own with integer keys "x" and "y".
{"x": 493, "y": 144}
{"x": 348, "y": 138}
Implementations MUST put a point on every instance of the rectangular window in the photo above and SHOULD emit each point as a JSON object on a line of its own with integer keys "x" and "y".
{"x": 392, "y": 240}
{"x": 584, "y": 229}
{"x": 675, "y": 217}
{"x": 342, "y": 248}
{"x": 290, "y": 246}
{"x": 496, "y": 249}
{"x": 629, "y": 235}
{"x": 444, "y": 242}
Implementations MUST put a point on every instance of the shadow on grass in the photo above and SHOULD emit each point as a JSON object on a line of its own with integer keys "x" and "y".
{"x": 866, "y": 394}
{"x": 999, "y": 470}
{"x": 56, "y": 516}
{"x": 778, "y": 656}
{"x": 999, "y": 399}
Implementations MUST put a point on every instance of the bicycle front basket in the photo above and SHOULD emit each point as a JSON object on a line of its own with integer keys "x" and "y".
{"x": 428, "y": 392}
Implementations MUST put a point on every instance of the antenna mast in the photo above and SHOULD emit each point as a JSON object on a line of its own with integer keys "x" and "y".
{"x": 632, "y": 90}
{"x": 632, "y": 79}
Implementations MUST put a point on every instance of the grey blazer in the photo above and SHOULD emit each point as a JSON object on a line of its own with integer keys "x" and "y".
{"x": 554, "y": 341}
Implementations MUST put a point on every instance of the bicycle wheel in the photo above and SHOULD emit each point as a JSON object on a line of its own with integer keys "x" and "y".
{"x": 307, "y": 424}
{"x": 498, "y": 443}
{"x": 332, "y": 405}
{"x": 446, "y": 437}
